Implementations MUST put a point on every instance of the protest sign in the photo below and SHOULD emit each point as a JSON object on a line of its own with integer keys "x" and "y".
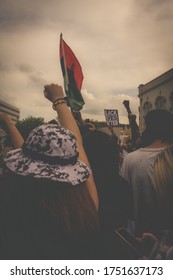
{"x": 111, "y": 116}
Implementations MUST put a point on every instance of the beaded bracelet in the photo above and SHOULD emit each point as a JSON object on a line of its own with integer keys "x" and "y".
{"x": 59, "y": 101}
{"x": 61, "y": 98}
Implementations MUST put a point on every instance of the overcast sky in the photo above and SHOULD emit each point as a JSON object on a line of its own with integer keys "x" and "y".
{"x": 120, "y": 44}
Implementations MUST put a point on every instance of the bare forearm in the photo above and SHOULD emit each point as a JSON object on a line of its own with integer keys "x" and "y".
{"x": 134, "y": 130}
{"x": 11, "y": 130}
{"x": 67, "y": 120}
{"x": 16, "y": 137}
{"x": 55, "y": 94}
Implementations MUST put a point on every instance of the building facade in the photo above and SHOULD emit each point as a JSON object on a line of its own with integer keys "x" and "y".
{"x": 156, "y": 94}
{"x": 11, "y": 110}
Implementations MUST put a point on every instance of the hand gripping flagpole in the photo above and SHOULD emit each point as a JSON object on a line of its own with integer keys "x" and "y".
{"x": 65, "y": 67}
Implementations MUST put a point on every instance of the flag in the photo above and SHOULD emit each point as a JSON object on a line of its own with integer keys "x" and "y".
{"x": 73, "y": 76}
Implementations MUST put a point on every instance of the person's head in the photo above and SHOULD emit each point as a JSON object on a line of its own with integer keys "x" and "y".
{"x": 164, "y": 177}
{"x": 102, "y": 152}
{"x": 159, "y": 126}
{"x": 103, "y": 155}
{"x": 46, "y": 173}
{"x": 91, "y": 127}
{"x": 130, "y": 146}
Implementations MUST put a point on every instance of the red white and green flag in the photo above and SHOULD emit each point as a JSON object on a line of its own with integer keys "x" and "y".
{"x": 73, "y": 76}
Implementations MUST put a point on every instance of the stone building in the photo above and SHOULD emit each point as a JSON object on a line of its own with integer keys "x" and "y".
{"x": 9, "y": 109}
{"x": 156, "y": 94}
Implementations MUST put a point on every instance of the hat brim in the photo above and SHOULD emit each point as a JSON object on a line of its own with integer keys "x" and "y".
{"x": 18, "y": 163}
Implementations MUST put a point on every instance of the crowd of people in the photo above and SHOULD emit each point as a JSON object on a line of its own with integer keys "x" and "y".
{"x": 66, "y": 190}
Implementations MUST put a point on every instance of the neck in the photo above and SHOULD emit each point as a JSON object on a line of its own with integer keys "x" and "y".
{"x": 157, "y": 144}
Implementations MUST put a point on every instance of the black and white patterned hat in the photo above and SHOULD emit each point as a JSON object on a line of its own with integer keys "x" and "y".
{"x": 50, "y": 152}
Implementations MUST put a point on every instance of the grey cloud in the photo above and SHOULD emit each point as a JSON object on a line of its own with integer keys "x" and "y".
{"x": 119, "y": 44}
{"x": 14, "y": 14}
{"x": 79, "y": 15}
{"x": 6, "y": 68}
{"x": 7, "y": 97}
{"x": 33, "y": 75}
{"x": 165, "y": 14}
{"x": 129, "y": 92}
{"x": 3, "y": 67}
{"x": 93, "y": 111}
{"x": 26, "y": 68}
{"x": 37, "y": 79}
{"x": 151, "y": 5}
{"x": 95, "y": 104}
{"x": 156, "y": 10}
{"x": 24, "y": 14}
{"x": 10, "y": 67}
{"x": 41, "y": 102}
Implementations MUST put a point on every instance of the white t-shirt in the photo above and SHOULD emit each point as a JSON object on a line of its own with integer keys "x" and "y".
{"x": 138, "y": 170}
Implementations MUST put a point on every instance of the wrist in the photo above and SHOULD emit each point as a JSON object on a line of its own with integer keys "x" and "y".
{"x": 59, "y": 101}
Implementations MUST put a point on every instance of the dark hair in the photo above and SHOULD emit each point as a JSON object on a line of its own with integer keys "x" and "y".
{"x": 114, "y": 193}
{"x": 159, "y": 125}
{"x": 102, "y": 151}
{"x": 103, "y": 155}
{"x": 40, "y": 209}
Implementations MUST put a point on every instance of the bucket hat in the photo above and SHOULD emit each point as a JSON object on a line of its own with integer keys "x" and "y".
{"x": 50, "y": 152}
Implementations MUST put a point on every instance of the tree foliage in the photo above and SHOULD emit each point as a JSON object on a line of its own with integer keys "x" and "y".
{"x": 26, "y": 125}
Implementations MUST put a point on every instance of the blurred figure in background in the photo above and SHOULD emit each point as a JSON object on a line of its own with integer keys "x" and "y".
{"x": 164, "y": 187}
{"x": 115, "y": 205}
{"x": 135, "y": 134}
{"x": 138, "y": 169}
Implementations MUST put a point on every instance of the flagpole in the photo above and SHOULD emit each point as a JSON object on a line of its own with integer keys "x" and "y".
{"x": 65, "y": 67}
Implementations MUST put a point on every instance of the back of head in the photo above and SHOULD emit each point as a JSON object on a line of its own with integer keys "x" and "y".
{"x": 45, "y": 219}
{"x": 103, "y": 156}
{"x": 159, "y": 126}
{"x": 101, "y": 151}
{"x": 50, "y": 152}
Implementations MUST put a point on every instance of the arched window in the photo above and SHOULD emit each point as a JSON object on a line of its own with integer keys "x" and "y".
{"x": 147, "y": 107}
{"x": 160, "y": 102}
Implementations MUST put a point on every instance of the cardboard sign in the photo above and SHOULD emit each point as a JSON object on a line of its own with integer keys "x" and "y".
{"x": 111, "y": 117}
